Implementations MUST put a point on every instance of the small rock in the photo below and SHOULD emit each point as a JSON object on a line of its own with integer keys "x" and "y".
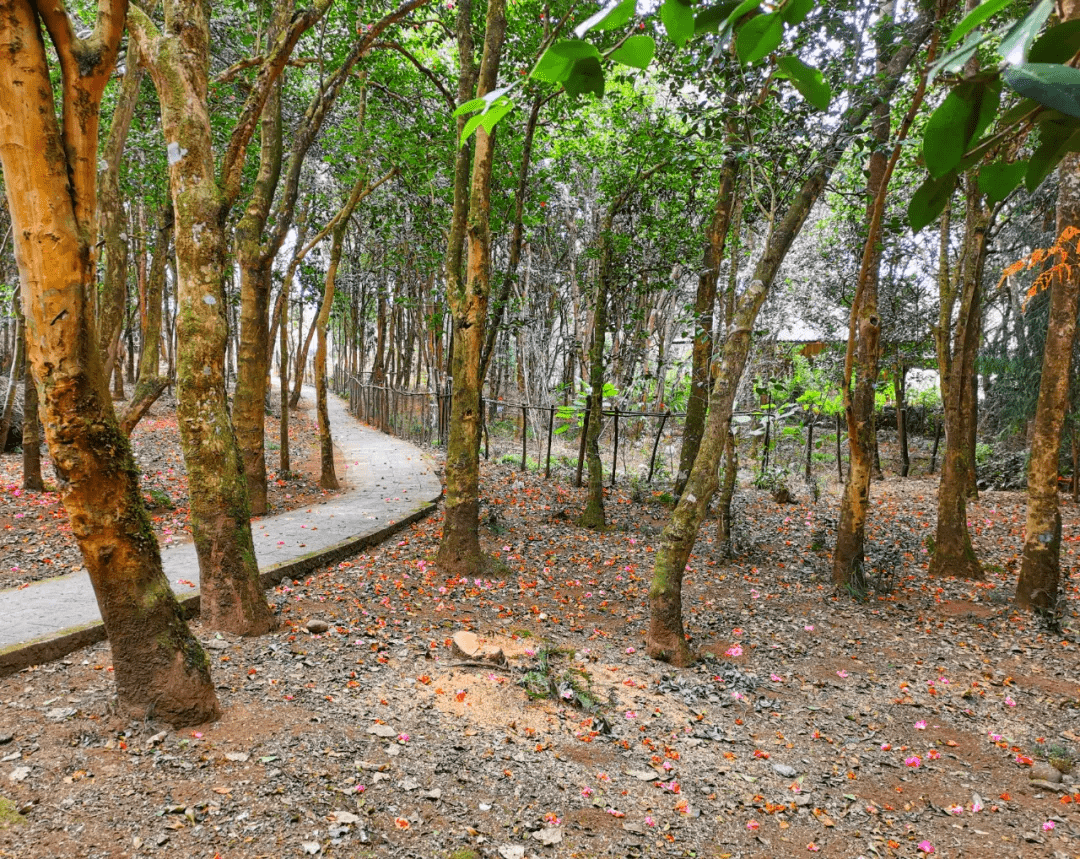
{"x": 6, "y": 738}
{"x": 384, "y": 731}
{"x": 157, "y": 738}
{"x": 549, "y": 836}
{"x": 346, "y": 817}
{"x": 1048, "y": 785}
{"x": 512, "y": 851}
{"x": 18, "y": 774}
{"x": 216, "y": 644}
{"x": 237, "y": 757}
{"x": 408, "y": 784}
{"x": 643, "y": 775}
{"x": 785, "y": 770}
{"x": 311, "y": 847}
{"x": 467, "y": 645}
{"x": 317, "y": 627}
{"x": 58, "y": 714}
{"x": 1042, "y": 771}
{"x": 434, "y": 794}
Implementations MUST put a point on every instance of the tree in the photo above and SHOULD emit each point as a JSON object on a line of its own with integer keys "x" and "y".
{"x": 50, "y": 177}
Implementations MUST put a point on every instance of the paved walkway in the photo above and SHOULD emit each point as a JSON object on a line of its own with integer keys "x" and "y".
{"x": 388, "y": 483}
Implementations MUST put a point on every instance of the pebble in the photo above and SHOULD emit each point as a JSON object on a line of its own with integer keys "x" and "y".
{"x": 317, "y": 627}
{"x": 1042, "y": 771}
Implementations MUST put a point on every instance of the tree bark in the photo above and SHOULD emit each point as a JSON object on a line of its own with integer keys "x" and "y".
{"x": 953, "y": 554}
{"x": 178, "y": 58}
{"x": 151, "y": 383}
{"x": 31, "y": 442}
{"x": 704, "y": 302}
{"x": 467, "y": 296}
{"x": 18, "y": 373}
{"x": 1038, "y": 586}
{"x": 50, "y": 177}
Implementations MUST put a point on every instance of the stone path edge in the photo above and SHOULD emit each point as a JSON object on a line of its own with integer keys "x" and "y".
{"x": 61, "y": 644}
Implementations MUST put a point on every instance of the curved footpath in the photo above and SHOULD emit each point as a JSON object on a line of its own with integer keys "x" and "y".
{"x": 388, "y": 483}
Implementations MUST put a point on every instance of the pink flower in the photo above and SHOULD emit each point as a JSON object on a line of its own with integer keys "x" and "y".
{"x": 776, "y": 678}
{"x": 925, "y": 847}
{"x": 586, "y": 792}
{"x": 813, "y": 848}
{"x": 886, "y": 746}
{"x": 809, "y": 627}
{"x": 913, "y": 761}
{"x": 1046, "y": 827}
{"x": 649, "y": 821}
{"x": 734, "y": 650}
{"x": 630, "y": 650}
{"x": 841, "y": 673}
{"x": 976, "y": 807}
{"x": 753, "y": 826}
{"x": 920, "y": 725}
{"x": 955, "y": 809}
{"x": 933, "y": 755}
{"x": 1009, "y": 702}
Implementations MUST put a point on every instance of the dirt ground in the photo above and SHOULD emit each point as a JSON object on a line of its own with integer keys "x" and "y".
{"x": 907, "y": 725}
{"x": 35, "y": 537}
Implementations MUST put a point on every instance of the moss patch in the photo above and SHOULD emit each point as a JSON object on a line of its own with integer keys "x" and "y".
{"x": 9, "y": 815}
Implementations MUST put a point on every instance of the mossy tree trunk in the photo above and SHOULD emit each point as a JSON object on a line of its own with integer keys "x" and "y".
{"x": 467, "y": 295}
{"x": 953, "y": 554}
{"x": 50, "y": 177}
{"x": 327, "y": 477}
{"x": 704, "y": 303}
{"x": 666, "y": 636}
{"x": 1038, "y": 585}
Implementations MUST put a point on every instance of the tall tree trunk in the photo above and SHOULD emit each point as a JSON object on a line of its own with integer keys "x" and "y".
{"x": 593, "y": 517}
{"x": 15, "y": 378}
{"x": 1038, "y": 585}
{"x": 467, "y": 296}
{"x": 161, "y": 671}
{"x": 666, "y": 637}
{"x": 327, "y": 477}
{"x": 252, "y": 365}
{"x": 151, "y": 383}
{"x": 31, "y": 440}
{"x": 864, "y": 353}
{"x": 232, "y": 597}
{"x": 704, "y": 302}
{"x": 953, "y": 554}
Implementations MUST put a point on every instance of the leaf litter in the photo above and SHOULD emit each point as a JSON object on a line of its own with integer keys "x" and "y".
{"x": 791, "y": 735}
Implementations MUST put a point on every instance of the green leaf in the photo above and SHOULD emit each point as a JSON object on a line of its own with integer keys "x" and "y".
{"x": 759, "y": 37}
{"x": 486, "y": 120}
{"x": 678, "y": 20}
{"x": 997, "y": 180}
{"x": 1017, "y": 112}
{"x": 795, "y": 11}
{"x": 608, "y": 18}
{"x": 1054, "y": 85}
{"x": 807, "y": 80}
{"x": 470, "y": 106}
{"x": 1019, "y": 38}
{"x": 557, "y": 63}
{"x": 974, "y": 18}
{"x": 586, "y": 76}
{"x": 967, "y": 110}
{"x": 709, "y": 20}
{"x": 1057, "y": 45}
{"x": 953, "y": 61}
{"x": 930, "y": 200}
{"x": 636, "y": 51}
{"x": 1055, "y": 140}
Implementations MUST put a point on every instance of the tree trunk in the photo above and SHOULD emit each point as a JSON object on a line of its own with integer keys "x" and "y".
{"x": 704, "y": 302}
{"x": 953, "y": 554}
{"x": 467, "y": 296}
{"x": 232, "y": 596}
{"x": 1038, "y": 586}
{"x": 900, "y": 390}
{"x": 327, "y": 477}
{"x": 593, "y": 517}
{"x": 18, "y": 373}
{"x": 31, "y": 441}
{"x": 161, "y": 671}
{"x": 666, "y": 638}
{"x": 727, "y": 495}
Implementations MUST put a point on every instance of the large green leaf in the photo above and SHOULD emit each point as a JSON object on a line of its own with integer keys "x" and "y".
{"x": 709, "y": 20}
{"x": 1054, "y": 85}
{"x": 807, "y": 80}
{"x": 608, "y": 18}
{"x": 966, "y": 112}
{"x": 1018, "y": 40}
{"x": 1055, "y": 140}
{"x": 557, "y": 62}
{"x": 759, "y": 37}
{"x": 1057, "y": 45}
{"x": 974, "y": 18}
{"x": 678, "y": 20}
{"x": 997, "y": 180}
{"x": 795, "y": 11}
{"x": 486, "y": 120}
{"x": 636, "y": 51}
{"x": 930, "y": 200}
{"x": 586, "y": 76}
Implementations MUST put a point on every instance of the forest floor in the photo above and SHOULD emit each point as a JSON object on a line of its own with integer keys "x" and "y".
{"x": 35, "y": 537}
{"x": 905, "y": 725}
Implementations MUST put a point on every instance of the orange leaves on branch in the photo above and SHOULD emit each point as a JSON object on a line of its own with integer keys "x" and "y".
{"x": 1059, "y": 262}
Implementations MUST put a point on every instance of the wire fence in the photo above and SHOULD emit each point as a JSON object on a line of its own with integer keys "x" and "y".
{"x": 641, "y": 445}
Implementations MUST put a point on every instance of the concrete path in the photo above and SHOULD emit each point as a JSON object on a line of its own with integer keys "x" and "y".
{"x": 388, "y": 483}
